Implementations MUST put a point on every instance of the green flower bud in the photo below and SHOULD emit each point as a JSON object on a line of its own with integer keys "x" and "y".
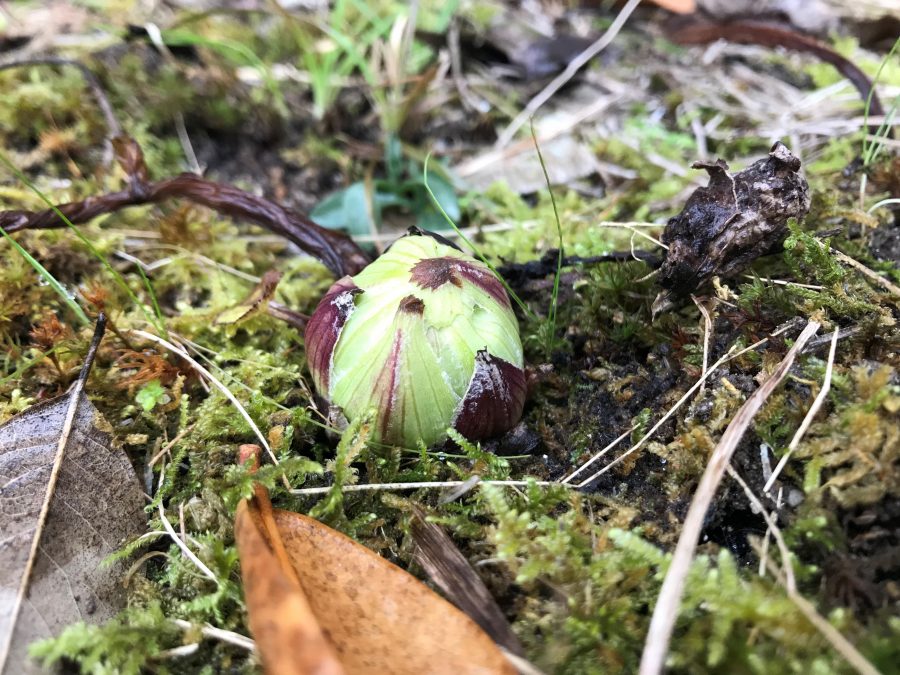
{"x": 426, "y": 337}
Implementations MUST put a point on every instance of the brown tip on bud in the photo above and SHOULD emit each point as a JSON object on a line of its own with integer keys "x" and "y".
{"x": 494, "y": 401}
{"x": 412, "y": 305}
{"x": 432, "y": 273}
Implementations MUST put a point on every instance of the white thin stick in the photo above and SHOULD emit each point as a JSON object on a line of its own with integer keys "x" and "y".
{"x": 574, "y": 66}
{"x": 645, "y": 236}
{"x": 184, "y": 548}
{"x": 665, "y": 613}
{"x": 773, "y": 528}
{"x": 763, "y": 559}
{"x": 810, "y": 414}
{"x": 841, "y": 644}
{"x": 168, "y": 446}
{"x": 707, "y": 331}
{"x": 725, "y": 359}
{"x": 872, "y": 274}
{"x": 687, "y": 395}
{"x": 216, "y": 383}
{"x": 596, "y": 457}
{"x": 416, "y": 486}
{"x": 782, "y": 282}
{"x": 220, "y": 634}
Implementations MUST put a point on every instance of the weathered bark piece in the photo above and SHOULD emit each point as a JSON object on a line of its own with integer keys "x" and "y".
{"x": 732, "y": 221}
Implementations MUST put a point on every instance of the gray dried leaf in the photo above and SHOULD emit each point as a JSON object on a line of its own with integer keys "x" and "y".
{"x": 732, "y": 221}
{"x": 95, "y": 505}
{"x": 448, "y": 568}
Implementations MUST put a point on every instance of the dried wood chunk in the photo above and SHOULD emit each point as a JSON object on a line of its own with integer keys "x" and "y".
{"x": 729, "y": 223}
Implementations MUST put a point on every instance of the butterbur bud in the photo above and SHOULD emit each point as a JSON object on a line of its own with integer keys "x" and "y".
{"x": 426, "y": 337}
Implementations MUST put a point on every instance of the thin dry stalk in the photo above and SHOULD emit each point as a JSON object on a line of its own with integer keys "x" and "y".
{"x": 707, "y": 332}
{"x": 215, "y": 382}
{"x": 688, "y": 394}
{"x": 416, "y": 486}
{"x": 773, "y": 528}
{"x": 184, "y": 548}
{"x": 763, "y": 559}
{"x": 872, "y": 274}
{"x": 841, "y": 644}
{"x": 171, "y": 444}
{"x": 811, "y": 413}
{"x": 596, "y": 457}
{"x": 574, "y": 66}
{"x": 220, "y": 634}
{"x": 666, "y": 611}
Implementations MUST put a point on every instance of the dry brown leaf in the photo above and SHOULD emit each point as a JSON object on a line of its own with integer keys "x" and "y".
{"x": 95, "y": 507}
{"x": 282, "y": 623}
{"x": 375, "y": 617}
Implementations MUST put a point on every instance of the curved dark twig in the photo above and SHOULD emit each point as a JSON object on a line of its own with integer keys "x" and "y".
{"x": 518, "y": 273}
{"x": 335, "y": 249}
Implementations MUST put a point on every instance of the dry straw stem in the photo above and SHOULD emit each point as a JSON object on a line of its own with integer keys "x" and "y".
{"x": 707, "y": 331}
{"x": 687, "y": 395}
{"x": 596, "y": 457}
{"x": 829, "y": 632}
{"x": 184, "y": 547}
{"x": 220, "y": 634}
{"x": 574, "y": 66}
{"x": 813, "y": 411}
{"x": 666, "y": 611}
{"x": 872, "y": 274}
{"x": 841, "y": 644}
{"x": 773, "y": 528}
{"x": 216, "y": 383}
{"x": 375, "y": 487}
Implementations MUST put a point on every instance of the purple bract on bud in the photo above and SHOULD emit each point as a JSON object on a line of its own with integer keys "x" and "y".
{"x": 426, "y": 338}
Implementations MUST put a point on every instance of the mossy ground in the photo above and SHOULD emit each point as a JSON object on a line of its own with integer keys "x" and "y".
{"x": 577, "y": 572}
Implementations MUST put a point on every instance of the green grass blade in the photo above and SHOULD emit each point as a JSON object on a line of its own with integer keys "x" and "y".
{"x": 21, "y": 370}
{"x": 554, "y": 298}
{"x": 49, "y": 278}
{"x": 156, "y": 310}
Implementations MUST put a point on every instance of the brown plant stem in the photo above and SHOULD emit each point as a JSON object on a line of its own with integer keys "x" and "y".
{"x": 336, "y": 250}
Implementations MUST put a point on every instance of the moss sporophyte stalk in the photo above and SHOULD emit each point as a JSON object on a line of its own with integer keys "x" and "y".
{"x": 427, "y": 338}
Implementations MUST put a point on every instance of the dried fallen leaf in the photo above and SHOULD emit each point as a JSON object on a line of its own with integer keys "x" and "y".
{"x": 732, "y": 221}
{"x": 321, "y": 603}
{"x": 68, "y": 499}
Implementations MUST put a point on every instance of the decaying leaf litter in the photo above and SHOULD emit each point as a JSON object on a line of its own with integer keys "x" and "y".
{"x": 577, "y": 573}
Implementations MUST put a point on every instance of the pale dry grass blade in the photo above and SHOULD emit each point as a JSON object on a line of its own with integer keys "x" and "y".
{"x": 226, "y": 392}
{"x": 810, "y": 415}
{"x": 375, "y": 487}
{"x": 665, "y": 613}
{"x": 574, "y": 66}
